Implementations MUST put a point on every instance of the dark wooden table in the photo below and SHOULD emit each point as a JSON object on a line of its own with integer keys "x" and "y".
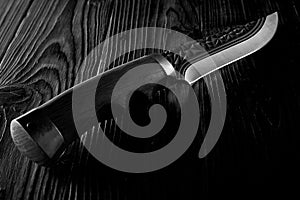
{"x": 43, "y": 44}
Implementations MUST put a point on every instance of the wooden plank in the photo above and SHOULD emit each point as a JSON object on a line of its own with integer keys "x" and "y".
{"x": 42, "y": 47}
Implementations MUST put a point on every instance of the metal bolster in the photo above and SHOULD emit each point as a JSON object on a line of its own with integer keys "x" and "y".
{"x": 165, "y": 64}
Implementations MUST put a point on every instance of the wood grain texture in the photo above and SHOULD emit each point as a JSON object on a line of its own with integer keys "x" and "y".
{"x": 42, "y": 48}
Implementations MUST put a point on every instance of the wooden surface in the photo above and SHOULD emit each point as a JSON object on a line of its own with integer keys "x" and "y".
{"x": 43, "y": 44}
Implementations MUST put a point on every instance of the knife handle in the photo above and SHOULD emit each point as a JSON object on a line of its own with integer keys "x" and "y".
{"x": 43, "y": 133}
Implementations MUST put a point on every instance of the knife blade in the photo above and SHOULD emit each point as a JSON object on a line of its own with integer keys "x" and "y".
{"x": 203, "y": 66}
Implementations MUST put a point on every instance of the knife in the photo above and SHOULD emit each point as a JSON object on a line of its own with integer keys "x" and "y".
{"x": 43, "y": 133}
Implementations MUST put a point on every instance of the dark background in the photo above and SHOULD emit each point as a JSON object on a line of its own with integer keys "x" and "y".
{"x": 43, "y": 43}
